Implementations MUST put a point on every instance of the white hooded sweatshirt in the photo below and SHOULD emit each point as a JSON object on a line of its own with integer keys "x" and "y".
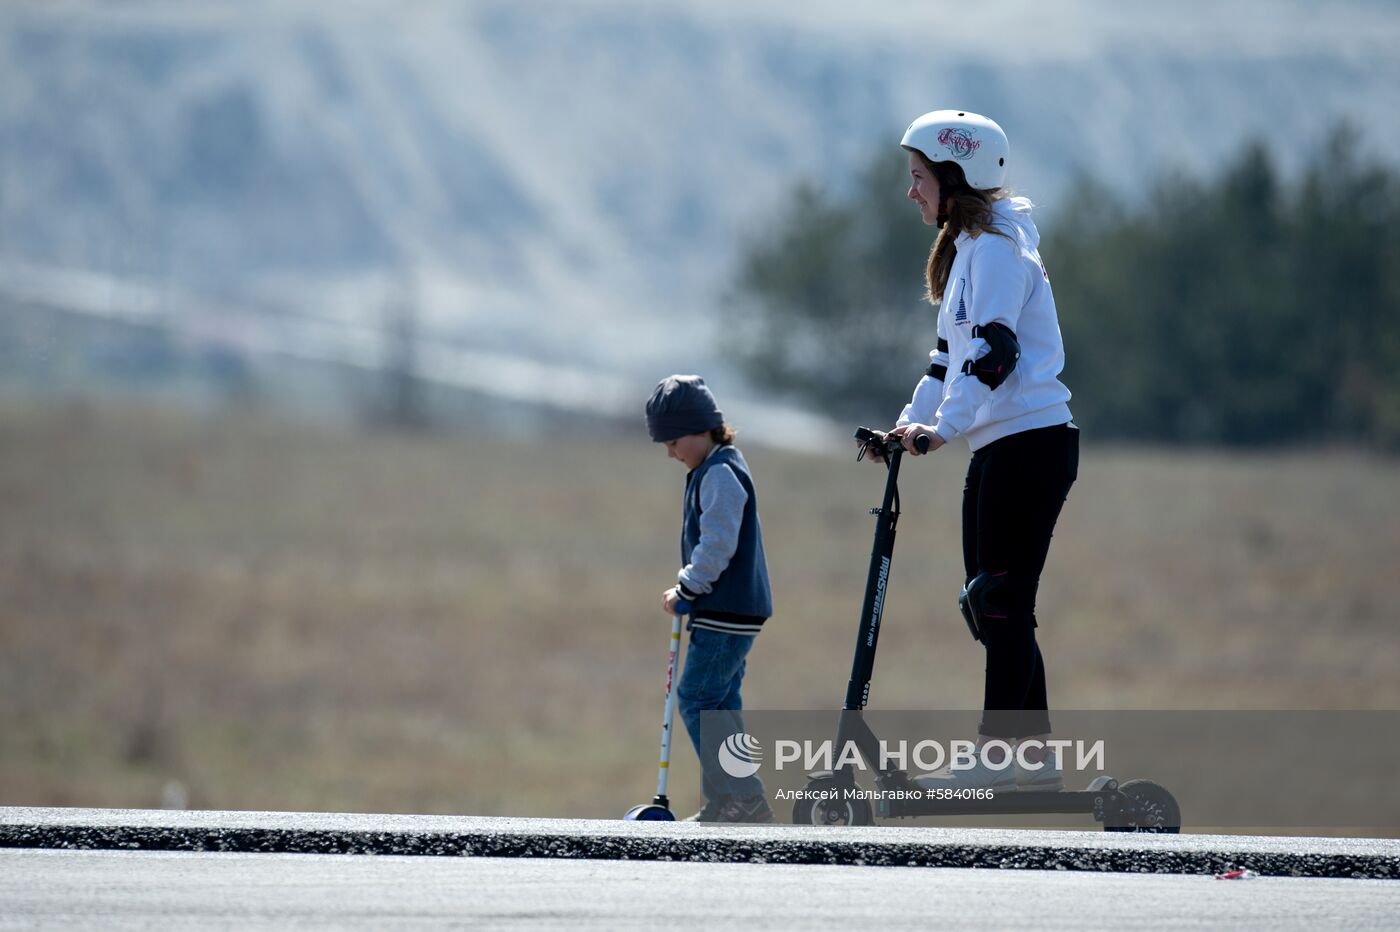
{"x": 995, "y": 278}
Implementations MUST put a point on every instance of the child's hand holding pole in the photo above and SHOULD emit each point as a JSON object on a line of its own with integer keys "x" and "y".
{"x": 672, "y": 603}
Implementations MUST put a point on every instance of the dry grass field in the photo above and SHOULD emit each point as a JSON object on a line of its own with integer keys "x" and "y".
{"x": 265, "y": 615}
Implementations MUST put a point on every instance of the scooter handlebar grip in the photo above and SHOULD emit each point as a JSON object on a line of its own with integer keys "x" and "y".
{"x": 683, "y": 607}
{"x": 921, "y": 443}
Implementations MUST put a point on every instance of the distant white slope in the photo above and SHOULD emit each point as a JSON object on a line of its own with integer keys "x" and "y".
{"x": 569, "y": 182}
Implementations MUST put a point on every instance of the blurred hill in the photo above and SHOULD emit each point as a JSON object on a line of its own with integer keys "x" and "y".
{"x": 566, "y": 185}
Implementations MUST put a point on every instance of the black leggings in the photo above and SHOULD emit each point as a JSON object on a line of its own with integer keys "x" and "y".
{"x": 1015, "y": 489}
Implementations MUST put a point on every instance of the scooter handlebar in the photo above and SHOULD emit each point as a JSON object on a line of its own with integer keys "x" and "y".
{"x": 885, "y": 444}
{"x": 683, "y": 607}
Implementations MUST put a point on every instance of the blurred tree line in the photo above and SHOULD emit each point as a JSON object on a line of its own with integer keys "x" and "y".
{"x": 1244, "y": 309}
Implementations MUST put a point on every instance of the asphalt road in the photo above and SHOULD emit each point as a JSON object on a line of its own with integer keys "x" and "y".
{"x": 449, "y": 836}
{"x": 109, "y": 889}
{"x": 95, "y": 868}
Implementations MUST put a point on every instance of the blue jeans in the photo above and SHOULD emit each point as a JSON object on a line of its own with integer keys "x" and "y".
{"x": 714, "y": 671}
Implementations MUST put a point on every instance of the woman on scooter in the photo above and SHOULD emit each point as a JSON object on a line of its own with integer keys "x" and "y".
{"x": 994, "y": 380}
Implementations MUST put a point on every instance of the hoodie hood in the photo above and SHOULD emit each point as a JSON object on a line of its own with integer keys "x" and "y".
{"x": 1014, "y": 213}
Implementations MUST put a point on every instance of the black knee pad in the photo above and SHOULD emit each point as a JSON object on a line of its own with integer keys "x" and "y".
{"x": 978, "y": 604}
{"x": 1000, "y": 598}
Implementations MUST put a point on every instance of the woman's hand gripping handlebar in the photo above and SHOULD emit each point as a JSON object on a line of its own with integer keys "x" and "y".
{"x": 879, "y": 445}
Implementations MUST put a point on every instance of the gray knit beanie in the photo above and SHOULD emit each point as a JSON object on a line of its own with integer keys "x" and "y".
{"x": 681, "y": 405}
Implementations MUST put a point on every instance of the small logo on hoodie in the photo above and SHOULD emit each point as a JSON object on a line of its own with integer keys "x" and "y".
{"x": 961, "y": 316}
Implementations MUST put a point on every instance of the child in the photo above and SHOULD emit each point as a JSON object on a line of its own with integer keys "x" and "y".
{"x": 725, "y": 579}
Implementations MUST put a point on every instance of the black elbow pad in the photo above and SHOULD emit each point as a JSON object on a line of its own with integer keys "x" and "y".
{"x": 1002, "y": 355}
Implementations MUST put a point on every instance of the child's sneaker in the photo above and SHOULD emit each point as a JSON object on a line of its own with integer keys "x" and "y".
{"x": 1048, "y": 778}
{"x": 745, "y": 809}
{"x": 708, "y": 812}
{"x": 978, "y": 776}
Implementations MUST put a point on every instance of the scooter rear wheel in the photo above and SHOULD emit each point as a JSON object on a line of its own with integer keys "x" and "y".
{"x": 826, "y": 803}
{"x": 1151, "y": 808}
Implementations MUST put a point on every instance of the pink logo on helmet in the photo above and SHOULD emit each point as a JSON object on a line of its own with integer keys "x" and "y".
{"x": 959, "y": 142}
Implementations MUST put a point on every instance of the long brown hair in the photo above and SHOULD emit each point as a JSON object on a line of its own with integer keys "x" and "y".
{"x": 970, "y": 211}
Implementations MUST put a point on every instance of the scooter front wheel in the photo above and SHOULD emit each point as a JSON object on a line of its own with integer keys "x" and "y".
{"x": 826, "y": 802}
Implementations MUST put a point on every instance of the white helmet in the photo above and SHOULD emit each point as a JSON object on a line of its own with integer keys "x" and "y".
{"x": 976, "y": 143}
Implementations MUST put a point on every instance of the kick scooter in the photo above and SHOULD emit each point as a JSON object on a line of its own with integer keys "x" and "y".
{"x": 1133, "y": 806}
{"x": 659, "y": 809}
